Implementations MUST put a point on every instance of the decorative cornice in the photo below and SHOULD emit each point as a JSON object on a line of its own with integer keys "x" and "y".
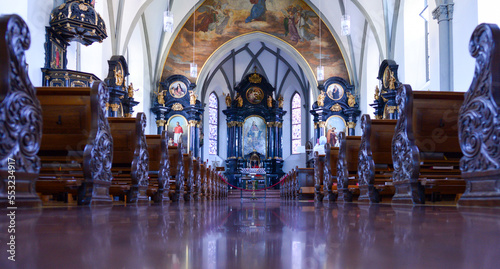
{"x": 336, "y": 108}
{"x": 177, "y": 107}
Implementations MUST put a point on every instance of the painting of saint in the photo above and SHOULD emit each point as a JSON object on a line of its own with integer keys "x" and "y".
{"x": 177, "y": 130}
{"x": 334, "y": 125}
{"x": 255, "y": 95}
{"x": 178, "y": 89}
{"x": 258, "y": 10}
{"x": 335, "y": 91}
{"x": 254, "y": 135}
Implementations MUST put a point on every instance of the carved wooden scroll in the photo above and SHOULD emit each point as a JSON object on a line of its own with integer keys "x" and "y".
{"x": 342, "y": 172}
{"x": 405, "y": 153}
{"x": 162, "y": 195}
{"x": 179, "y": 178}
{"x": 98, "y": 154}
{"x": 203, "y": 181}
{"x": 197, "y": 179}
{"x": 479, "y": 121}
{"x": 20, "y": 117}
{"x": 366, "y": 165}
{"x": 319, "y": 162}
{"x": 327, "y": 177}
{"x": 189, "y": 176}
{"x": 140, "y": 163}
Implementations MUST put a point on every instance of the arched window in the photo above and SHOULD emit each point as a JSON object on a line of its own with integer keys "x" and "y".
{"x": 296, "y": 120}
{"x": 213, "y": 123}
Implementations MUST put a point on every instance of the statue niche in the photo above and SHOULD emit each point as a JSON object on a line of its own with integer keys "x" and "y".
{"x": 254, "y": 128}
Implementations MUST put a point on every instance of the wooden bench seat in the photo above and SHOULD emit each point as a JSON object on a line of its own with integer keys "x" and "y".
{"x": 76, "y": 146}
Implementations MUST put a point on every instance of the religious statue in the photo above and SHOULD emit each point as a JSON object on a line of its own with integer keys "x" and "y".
{"x": 321, "y": 99}
{"x": 161, "y": 96}
{"x": 118, "y": 77}
{"x": 239, "y": 99}
{"x": 269, "y": 101}
{"x": 392, "y": 80}
{"x": 130, "y": 90}
{"x": 377, "y": 93}
{"x": 351, "y": 99}
{"x": 280, "y": 101}
{"x": 192, "y": 98}
{"x": 228, "y": 100}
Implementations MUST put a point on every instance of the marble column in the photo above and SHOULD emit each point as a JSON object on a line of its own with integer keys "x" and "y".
{"x": 444, "y": 15}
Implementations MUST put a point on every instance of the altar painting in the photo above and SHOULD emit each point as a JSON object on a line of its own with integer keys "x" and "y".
{"x": 254, "y": 135}
{"x": 177, "y": 131}
{"x": 334, "y": 125}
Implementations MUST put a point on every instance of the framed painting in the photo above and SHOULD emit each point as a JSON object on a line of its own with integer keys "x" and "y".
{"x": 386, "y": 77}
{"x": 254, "y": 135}
{"x": 255, "y": 95}
{"x": 177, "y": 131}
{"x": 178, "y": 89}
{"x": 335, "y": 91}
{"x": 334, "y": 125}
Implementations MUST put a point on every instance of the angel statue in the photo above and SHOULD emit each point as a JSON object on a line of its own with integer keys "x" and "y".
{"x": 213, "y": 18}
{"x": 351, "y": 99}
{"x": 192, "y": 98}
{"x": 377, "y": 93}
{"x": 228, "y": 100}
{"x": 321, "y": 99}
{"x": 161, "y": 97}
{"x": 280, "y": 101}
{"x": 131, "y": 90}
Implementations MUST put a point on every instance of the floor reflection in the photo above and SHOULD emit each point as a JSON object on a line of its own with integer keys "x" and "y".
{"x": 225, "y": 234}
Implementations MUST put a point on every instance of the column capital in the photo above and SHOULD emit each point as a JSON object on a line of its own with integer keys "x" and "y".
{"x": 443, "y": 12}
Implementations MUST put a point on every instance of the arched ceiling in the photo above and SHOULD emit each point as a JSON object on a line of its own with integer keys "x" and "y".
{"x": 376, "y": 16}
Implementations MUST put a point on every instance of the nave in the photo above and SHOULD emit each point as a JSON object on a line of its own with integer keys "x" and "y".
{"x": 271, "y": 234}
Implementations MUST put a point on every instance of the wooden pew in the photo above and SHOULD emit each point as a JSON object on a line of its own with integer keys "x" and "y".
{"x": 159, "y": 167}
{"x": 203, "y": 180}
{"x": 427, "y": 127}
{"x": 178, "y": 171}
{"x": 305, "y": 178}
{"x": 330, "y": 172}
{"x": 347, "y": 167}
{"x": 197, "y": 179}
{"x": 375, "y": 151}
{"x": 319, "y": 164}
{"x": 479, "y": 126}
{"x": 20, "y": 118}
{"x": 131, "y": 158}
{"x": 189, "y": 177}
{"x": 77, "y": 145}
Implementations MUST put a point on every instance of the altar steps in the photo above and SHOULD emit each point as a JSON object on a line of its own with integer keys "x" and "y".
{"x": 259, "y": 195}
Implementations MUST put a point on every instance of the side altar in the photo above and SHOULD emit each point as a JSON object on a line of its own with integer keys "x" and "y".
{"x": 254, "y": 129}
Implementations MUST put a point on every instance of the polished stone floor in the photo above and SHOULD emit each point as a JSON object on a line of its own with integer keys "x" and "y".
{"x": 254, "y": 235}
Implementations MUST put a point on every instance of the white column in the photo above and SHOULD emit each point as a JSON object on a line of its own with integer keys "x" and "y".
{"x": 444, "y": 15}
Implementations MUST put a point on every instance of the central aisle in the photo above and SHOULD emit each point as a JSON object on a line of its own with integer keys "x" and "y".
{"x": 277, "y": 234}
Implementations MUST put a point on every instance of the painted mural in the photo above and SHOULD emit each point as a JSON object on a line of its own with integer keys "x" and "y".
{"x": 218, "y": 21}
{"x": 334, "y": 125}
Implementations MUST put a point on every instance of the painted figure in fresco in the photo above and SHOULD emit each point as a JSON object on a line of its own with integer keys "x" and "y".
{"x": 213, "y": 18}
{"x": 304, "y": 23}
{"x": 178, "y": 90}
{"x": 258, "y": 10}
{"x": 290, "y": 24}
{"x": 178, "y": 131}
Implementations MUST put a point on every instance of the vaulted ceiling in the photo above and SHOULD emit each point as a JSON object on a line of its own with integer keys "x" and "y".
{"x": 373, "y": 23}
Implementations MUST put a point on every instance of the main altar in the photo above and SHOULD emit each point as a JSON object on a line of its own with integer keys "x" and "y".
{"x": 254, "y": 130}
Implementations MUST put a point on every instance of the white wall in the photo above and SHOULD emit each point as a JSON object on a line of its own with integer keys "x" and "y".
{"x": 465, "y": 20}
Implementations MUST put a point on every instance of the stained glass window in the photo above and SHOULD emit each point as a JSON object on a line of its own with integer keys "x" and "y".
{"x": 213, "y": 111}
{"x": 296, "y": 120}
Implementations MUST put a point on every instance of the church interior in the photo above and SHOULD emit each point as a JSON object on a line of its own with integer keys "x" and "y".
{"x": 250, "y": 134}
